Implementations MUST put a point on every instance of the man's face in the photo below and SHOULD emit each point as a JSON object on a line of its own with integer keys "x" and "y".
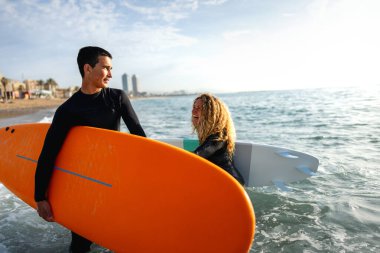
{"x": 100, "y": 75}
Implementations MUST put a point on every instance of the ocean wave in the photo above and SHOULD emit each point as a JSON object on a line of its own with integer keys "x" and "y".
{"x": 46, "y": 119}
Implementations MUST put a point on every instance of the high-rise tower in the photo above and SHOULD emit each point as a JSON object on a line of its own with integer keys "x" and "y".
{"x": 135, "y": 85}
{"x": 124, "y": 79}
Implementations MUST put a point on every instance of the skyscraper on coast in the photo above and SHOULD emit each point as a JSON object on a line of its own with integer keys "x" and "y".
{"x": 135, "y": 86}
{"x": 124, "y": 79}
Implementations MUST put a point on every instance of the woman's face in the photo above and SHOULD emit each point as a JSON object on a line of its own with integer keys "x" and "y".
{"x": 196, "y": 112}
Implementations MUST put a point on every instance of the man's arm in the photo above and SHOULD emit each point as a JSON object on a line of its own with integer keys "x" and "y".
{"x": 129, "y": 116}
{"x": 45, "y": 165}
{"x": 53, "y": 142}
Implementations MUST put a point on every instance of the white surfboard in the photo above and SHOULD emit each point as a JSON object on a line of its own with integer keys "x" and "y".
{"x": 262, "y": 165}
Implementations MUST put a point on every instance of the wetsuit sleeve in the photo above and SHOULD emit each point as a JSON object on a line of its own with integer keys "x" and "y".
{"x": 130, "y": 117}
{"x": 208, "y": 148}
{"x": 53, "y": 142}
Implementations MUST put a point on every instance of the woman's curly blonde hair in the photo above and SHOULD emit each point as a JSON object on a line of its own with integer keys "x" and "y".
{"x": 215, "y": 118}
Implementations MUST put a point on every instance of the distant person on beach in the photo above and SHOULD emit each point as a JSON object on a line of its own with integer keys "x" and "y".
{"x": 213, "y": 124}
{"x": 93, "y": 105}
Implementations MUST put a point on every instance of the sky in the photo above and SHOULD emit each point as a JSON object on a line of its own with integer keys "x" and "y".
{"x": 197, "y": 45}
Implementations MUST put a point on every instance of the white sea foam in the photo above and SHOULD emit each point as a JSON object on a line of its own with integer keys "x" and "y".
{"x": 46, "y": 119}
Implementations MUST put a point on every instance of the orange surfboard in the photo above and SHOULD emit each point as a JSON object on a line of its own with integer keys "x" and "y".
{"x": 132, "y": 194}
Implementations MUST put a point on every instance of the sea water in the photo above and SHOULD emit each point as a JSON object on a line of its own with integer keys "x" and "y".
{"x": 338, "y": 210}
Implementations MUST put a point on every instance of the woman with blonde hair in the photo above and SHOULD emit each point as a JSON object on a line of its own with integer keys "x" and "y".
{"x": 213, "y": 124}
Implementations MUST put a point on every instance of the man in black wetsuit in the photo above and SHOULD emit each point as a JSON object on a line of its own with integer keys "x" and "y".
{"x": 93, "y": 105}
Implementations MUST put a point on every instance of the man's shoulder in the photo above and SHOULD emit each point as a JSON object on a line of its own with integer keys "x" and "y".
{"x": 115, "y": 93}
{"x": 65, "y": 106}
{"x": 113, "y": 90}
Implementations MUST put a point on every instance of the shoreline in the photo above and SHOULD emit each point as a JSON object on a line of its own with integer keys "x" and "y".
{"x": 19, "y": 107}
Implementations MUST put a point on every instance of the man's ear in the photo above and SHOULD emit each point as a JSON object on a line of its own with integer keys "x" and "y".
{"x": 87, "y": 68}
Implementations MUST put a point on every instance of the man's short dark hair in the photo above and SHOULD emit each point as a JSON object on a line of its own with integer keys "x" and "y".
{"x": 90, "y": 55}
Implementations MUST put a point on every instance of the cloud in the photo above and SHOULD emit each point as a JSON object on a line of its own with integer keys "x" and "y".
{"x": 288, "y": 14}
{"x": 168, "y": 11}
{"x": 44, "y": 32}
{"x": 164, "y": 11}
{"x": 213, "y": 2}
{"x": 236, "y": 35}
{"x": 195, "y": 43}
{"x": 51, "y": 21}
{"x": 142, "y": 39}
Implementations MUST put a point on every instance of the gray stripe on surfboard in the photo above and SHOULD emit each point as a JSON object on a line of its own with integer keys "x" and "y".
{"x": 69, "y": 172}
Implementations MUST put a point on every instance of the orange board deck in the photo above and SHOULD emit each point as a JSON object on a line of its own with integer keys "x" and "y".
{"x": 132, "y": 194}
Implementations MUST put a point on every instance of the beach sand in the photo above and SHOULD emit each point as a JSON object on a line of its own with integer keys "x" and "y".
{"x": 17, "y": 107}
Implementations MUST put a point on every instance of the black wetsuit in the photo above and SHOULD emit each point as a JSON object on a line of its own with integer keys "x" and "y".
{"x": 216, "y": 152}
{"x": 102, "y": 110}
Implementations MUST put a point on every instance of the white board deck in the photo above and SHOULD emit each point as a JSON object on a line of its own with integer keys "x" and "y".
{"x": 262, "y": 165}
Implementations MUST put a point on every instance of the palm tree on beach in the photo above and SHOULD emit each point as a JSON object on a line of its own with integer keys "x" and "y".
{"x": 40, "y": 84}
{"x": 4, "y": 82}
{"x": 51, "y": 84}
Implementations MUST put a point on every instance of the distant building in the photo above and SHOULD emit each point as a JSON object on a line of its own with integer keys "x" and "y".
{"x": 19, "y": 89}
{"x": 135, "y": 85}
{"x": 65, "y": 92}
{"x": 124, "y": 79}
{"x": 13, "y": 89}
{"x": 7, "y": 86}
{"x": 31, "y": 85}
